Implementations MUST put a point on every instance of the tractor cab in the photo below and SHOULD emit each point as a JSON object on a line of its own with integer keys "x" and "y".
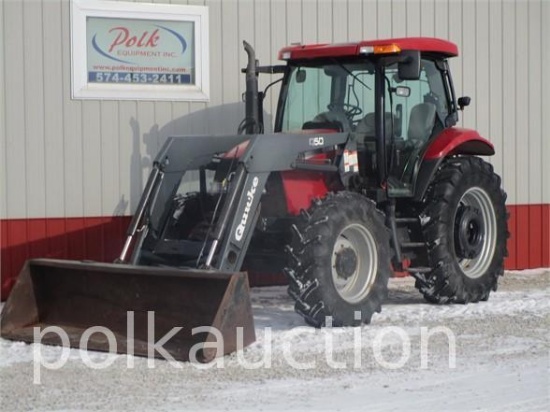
{"x": 393, "y": 97}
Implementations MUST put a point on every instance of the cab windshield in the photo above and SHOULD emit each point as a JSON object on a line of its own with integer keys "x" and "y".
{"x": 330, "y": 94}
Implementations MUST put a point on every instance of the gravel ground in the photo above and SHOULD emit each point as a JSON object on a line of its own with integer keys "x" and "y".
{"x": 502, "y": 362}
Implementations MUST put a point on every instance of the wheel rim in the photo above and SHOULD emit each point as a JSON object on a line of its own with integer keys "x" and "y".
{"x": 475, "y": 232}
{"x": 354, "y": 263}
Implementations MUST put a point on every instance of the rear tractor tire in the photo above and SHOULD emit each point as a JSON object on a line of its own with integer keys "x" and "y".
{"x": 464, "y": 224}
{"x": 339, "y": 261}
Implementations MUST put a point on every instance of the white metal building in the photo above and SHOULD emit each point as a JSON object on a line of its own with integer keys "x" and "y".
{"x": 72, "y": 170}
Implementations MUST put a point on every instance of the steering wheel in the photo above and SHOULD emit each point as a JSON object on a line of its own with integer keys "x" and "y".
{"x": 350, "y": 110}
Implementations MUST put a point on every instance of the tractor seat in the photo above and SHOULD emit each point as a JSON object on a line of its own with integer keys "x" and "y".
{"x": 421, "y": 122}
{"x": 333, "y": 119}
{"x": 366, "y": 128}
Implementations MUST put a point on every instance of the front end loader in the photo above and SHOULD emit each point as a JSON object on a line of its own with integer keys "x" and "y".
{"x": 365, "y": 174}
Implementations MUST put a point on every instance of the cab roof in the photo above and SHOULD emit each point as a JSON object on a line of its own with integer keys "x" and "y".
{"x": 386, "y": 46}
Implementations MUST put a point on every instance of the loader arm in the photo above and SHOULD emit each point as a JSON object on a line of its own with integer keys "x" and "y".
{"x": 265, "y": 153}
{"x": 173, "y": 160}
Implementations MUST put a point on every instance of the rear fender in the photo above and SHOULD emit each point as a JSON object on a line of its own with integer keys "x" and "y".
{"x": 450, "y": 142}
{"x": 453, "y": 141}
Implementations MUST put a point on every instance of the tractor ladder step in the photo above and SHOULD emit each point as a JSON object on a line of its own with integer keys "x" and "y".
{"x": 410, "y": 245}
{"x": 406, "y": 220}
{"x": 419, "y": 270}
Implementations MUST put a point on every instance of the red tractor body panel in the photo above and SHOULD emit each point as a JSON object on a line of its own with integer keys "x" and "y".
{"x": 456, "y": 140}
{"x": 301, "y": 187}
{"x": 423, "y": 44}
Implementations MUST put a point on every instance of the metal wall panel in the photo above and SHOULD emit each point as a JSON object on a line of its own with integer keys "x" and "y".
{"x": 54, "y": 145}
{"x": 441, "y": 17}
{"x": 399, "y": 18}
{"x": 534, "y": 118}
{"x": 427, "y": 18}
{"x": 324, "y": 21}
{"x": 3, "y": 147}
{"x": 110, "y": 147}
{"x": 370, "y": 19}
{"x": 384, "y": 24}
{"x": 413, "y": 18}
{"x": 480, "y": 66}
{"x": 34, "y": 108}
{"x": 73, "y": 118}
{"x": 522, "y": 136}
{"x": 509, "y": 120}
{"x": 339, "y": 22}
{"x": 14, "y": 109}
{"x": 129, "y": 155}
{"x": 73, "y": 159}
{"x": 495, "y": 82}
{"x": 355, "y": 23}
{"x": 544, "y": 174}
{"x": 91, "y": 158}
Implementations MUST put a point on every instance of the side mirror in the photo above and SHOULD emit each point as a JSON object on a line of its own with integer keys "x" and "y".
{"x": 300, "y": 76}
{"x": 463, "y": 102}
{"x": 409, "y": 67}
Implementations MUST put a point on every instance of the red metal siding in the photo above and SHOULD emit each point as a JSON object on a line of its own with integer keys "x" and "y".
{"x": 529, "y": 242}
{"x": 101, "y": 238}
{"x": 524, "y": 243}
{"x": 94, "y": 238}
{"x": 535, "y": 226}
{"x": 512, "y": 241}
{"x": 545, "y": 253}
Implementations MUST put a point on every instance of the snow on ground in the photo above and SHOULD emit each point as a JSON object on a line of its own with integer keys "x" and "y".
{"x": 502, "y": 362}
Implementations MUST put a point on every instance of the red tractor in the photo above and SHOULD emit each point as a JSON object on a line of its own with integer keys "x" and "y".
{"x": 365, "y": 174}
{"x": 402, "y": 190}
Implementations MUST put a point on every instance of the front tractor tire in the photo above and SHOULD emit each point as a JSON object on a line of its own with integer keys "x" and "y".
{"x": 465, "y": 228}
{"x": 339, "y": 261}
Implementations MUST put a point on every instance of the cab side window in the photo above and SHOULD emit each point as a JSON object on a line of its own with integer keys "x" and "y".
{"x": 425, "y": 107}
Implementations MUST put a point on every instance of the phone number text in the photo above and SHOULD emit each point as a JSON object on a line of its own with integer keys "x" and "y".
{"x": 141, "y": 78}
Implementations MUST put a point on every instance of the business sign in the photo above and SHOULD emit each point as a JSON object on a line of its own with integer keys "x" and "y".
{"x": 139, "y": 51}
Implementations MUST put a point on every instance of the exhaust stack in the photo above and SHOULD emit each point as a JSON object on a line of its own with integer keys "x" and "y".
{"x": 252, "y": 116}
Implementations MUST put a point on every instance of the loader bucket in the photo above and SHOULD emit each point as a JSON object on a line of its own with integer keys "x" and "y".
{"x": 76, "y": 296}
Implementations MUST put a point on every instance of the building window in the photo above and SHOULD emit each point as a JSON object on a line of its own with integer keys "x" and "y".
{"x": 135, "y": 51}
